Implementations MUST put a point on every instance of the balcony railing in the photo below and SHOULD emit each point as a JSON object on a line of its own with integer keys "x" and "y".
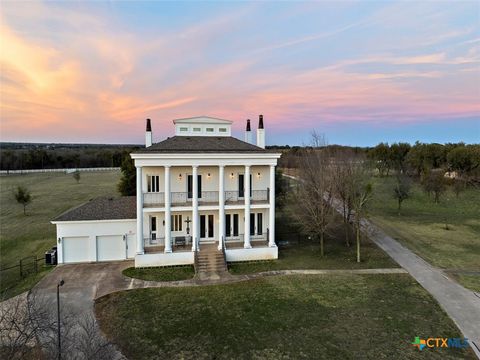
{"x": 205, "y": 197}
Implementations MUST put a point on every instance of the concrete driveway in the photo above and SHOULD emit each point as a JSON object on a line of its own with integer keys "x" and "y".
{"x": 84, "y": 283}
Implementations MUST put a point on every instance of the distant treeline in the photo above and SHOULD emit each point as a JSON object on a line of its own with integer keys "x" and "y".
{"x": 416, "y": 160}
{"x": 24, "y": 156}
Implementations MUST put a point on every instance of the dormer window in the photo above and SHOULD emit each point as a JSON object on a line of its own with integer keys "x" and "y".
{"x": 224, "y": 130}
{"x": 196, "y": 129}
{"x": 210, "y": 129}
{"x": 184, "y": 129}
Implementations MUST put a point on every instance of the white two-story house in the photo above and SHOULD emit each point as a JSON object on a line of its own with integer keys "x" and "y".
{"x": 197, "y": 188}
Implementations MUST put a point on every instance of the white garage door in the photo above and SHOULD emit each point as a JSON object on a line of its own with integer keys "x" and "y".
{"x": 76, "y": 249}
{"x": 111, "y": 247}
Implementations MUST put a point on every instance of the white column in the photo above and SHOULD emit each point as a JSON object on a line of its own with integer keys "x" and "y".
{"x": 271, "y": 228}
{"x": 139, "y": 211}
{"x": 195, "y": 219}
{"x": 221, "y": 205}
{"x": 168, "y": 212}
{"x": 246, "y": 241}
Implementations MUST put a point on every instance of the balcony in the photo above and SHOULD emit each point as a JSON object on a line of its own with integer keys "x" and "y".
{"x": 205, "y": 198}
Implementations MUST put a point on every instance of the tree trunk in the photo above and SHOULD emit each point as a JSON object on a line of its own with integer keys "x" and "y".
{"x": 321, "y": 244}
{"x": 399, "y": 205}
{"x": 24, "y": 209}
{"x": 358, "y": 241}
{"x": 347, "y": 237}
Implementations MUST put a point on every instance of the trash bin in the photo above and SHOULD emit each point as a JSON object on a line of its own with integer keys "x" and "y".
{"x": 50, "y": 257}
{"x": 55, "y": 256}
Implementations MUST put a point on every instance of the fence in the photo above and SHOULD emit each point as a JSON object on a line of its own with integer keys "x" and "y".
{"x": 67, "y": 170}
{"x": 13, "y": 274}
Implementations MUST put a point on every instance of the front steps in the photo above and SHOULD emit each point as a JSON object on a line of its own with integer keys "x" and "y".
{"x": 210, "y": 262}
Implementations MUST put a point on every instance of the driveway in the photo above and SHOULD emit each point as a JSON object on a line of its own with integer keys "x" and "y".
{"x": 84, "y": 283}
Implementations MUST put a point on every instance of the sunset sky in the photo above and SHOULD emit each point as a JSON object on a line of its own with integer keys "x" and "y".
{"x": 360, "y": 72}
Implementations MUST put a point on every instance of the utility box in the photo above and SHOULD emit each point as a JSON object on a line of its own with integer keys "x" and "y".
{"x": 51, "y": 257}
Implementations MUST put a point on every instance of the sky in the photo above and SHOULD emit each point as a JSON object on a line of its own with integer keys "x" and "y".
{"x": 360, "y": 72}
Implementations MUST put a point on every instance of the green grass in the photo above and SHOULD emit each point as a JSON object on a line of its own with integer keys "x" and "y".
{"x": 171, "y": 273}
{"x": 421, "y": 225}
{"x": 53, "y": 193}
{"x": 282, "y": 317}
{"x": 301, "y": 253}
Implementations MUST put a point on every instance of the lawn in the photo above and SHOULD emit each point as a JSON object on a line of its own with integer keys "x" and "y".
{"x": 296, "y": 251}
{"x": 421, "y": 226}
{"x": 282, "y": 317}
{"x": 53, "y": 193}
{"x": 168, "y": 273}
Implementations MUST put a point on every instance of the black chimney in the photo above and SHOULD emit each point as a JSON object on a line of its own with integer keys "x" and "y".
{"x": 149, "y": 126}
{"x": 248, "y": 125}
{"x": 260, "y": 121}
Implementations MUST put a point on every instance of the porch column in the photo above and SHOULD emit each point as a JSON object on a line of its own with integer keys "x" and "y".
{"x": 271, "y": 225}
{"x": 195, "y": 219}
{"x": 221, "y": 205}
{"x": 246, "y": 195}
{"x": 139, "y": 211}
{"x": 168, "y": 212}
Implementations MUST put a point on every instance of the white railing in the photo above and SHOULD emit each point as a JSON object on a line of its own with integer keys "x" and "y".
{"x": 153, "y": 198}
{"x": 67, "y": 171}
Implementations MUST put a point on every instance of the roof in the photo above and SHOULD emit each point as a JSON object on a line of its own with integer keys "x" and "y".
{"x": 192, "y": 144}
{"x": 202, "y": 120}
{"x": 102, "y": 208}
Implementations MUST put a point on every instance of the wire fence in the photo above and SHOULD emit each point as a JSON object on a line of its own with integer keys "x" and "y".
{"x": 66, "y": 170}
{"x": 11, "y": 275}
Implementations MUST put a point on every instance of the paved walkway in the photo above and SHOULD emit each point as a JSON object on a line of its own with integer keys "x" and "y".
{"x": 462, "y": 305}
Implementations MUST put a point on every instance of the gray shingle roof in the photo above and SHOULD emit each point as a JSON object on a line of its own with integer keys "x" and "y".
{"x": 102, "y": 209}
{"x": 188, "y": 144}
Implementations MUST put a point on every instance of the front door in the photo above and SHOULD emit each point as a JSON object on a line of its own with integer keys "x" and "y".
{"x": 153, "y": 230}
{"x": 207, "y": 227}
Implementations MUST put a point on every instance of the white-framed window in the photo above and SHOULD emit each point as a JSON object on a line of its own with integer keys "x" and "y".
{"x": 176, "y": 222}
{"x": 210, "y": 129}
{"x": 153, "y": 183}
{"x": 197, "y": 129}
{"x": 222, "y": 130}
{"x": 183, "y": 129}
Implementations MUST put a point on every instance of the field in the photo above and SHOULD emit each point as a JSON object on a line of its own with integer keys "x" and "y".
{"x": 53, "y": 193}
{"x": 422, "y": 227}
{"x": 281, "y": 317}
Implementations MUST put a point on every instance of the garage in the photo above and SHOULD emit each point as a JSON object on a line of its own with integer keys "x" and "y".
{"x": 111, "y": 247}
{"x": 76, "y": 249}
{"x": 101, "y": 229}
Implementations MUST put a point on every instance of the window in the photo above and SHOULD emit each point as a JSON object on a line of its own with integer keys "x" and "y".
{"x": 197, "y": 129}
{"x": 176, "y": 222}
{"x": 153, "y": 183}
{"x": 222, "y": 130}
{"x": 184, "y": 129}
{"x": 210, "y": 129}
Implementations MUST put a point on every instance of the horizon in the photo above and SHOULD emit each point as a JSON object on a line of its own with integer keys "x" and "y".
{"x": 360, "y": 73}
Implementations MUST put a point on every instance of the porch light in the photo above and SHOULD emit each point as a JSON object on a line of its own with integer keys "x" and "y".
{"x": 231, "y": 175}
{"x": 180, "y": 176}
{"x": 258, "y": 175}
{"x": 208, "y": 175}
{"x": 59, "y": 240}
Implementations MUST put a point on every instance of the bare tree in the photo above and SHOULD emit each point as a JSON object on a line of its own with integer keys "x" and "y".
{"x": 343, "y": 164}
{"x": 28, "y": 329}
{"x": 311, "y": 206}
{"x": 401, "y": 190}
{"x": 360, "y": 194}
